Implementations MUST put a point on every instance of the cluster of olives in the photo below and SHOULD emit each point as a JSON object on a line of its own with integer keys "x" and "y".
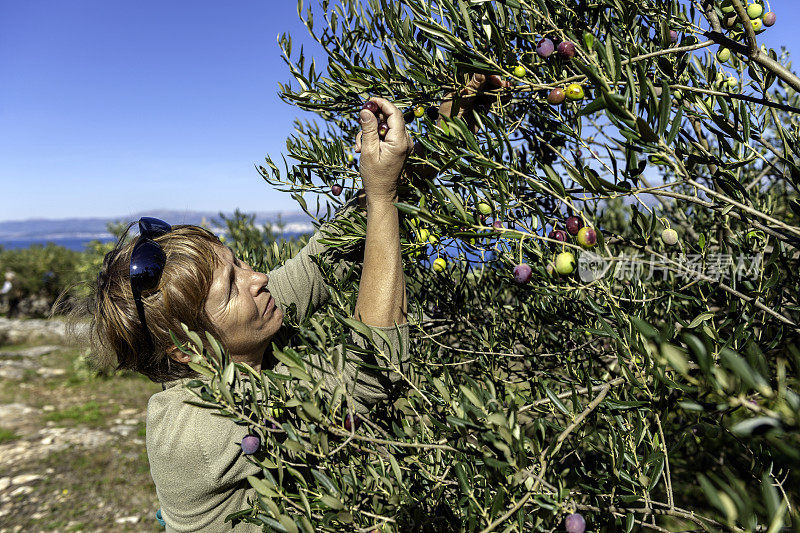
{"x": 759, "y": 20}
{"x": 564, "y": 262}
{"x": 573, "y": 91}
{"x": 546, "y": 48}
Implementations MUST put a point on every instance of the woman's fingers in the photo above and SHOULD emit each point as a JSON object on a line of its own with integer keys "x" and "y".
{"x": 394, "y": 118}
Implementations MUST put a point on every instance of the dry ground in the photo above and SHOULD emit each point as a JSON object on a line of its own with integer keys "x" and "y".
{"x": 72, "y": 450}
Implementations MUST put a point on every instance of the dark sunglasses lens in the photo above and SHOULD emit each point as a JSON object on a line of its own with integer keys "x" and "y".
{"x": 147, "y": 263}
{"x": 152, "y": 227}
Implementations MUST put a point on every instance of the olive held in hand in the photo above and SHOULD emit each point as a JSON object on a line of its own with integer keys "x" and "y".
{"x": 587, "y": 237}
{"x": 566, "y": 49}
{"x": 545, "y": 47}
{"x": 754, "y": 11}
{"x": 574, "y": 91}
{"x": 439, "y": 264}
{"x": 556, "y": 96}
{"x": 669, "y": 236}
{"x": 383, "y": 129}
{"x": 250, "y": 444}
{"x": 769, "y": 19}
{"x": 522, "y": 273}
{"x": 574, "y": 225}
{"x": 351, "y": 424}
{"x": 336, "y": 189}
{"x": 558, "y": 235}
{"x": 575, "y": 523}
{"x": 565, "y": 263}
{"x": 371, "y": 106}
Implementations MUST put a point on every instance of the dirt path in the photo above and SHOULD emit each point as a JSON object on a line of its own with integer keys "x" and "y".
{"x": 72, "y": 450}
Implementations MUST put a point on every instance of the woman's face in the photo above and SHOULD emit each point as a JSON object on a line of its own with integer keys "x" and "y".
{"x": 241, "y": 308}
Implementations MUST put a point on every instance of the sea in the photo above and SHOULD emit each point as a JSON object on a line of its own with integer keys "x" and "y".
{"x": 71, "y": 243}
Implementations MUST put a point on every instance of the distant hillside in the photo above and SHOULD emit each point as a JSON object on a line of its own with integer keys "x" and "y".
{"x": 74, "y": 233}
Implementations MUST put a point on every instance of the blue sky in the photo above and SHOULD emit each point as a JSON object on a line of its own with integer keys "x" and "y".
{"x": 109, "y": 108}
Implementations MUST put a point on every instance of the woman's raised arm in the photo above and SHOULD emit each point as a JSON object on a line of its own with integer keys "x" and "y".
{"x": 382, "y": 290}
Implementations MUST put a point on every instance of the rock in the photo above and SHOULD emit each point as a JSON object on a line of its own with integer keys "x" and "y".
{"x": 12, "y": 414}
{"x": 127, "y": 520}
{"x": 21, "y": 490}
{"x": 19, "y": 331}
{"x": 123, "y": 430}
{"x": 25, "y": 478}
{"x": 51, "y": 372}
{"x": 34, "y": 351}
{"x": 49, "y": 440}
{"x": 12, "y": 373}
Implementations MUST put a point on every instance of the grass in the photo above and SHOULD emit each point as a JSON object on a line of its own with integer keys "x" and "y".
{"x": 89, "y": 413}
{"x": 6, "y": 435}
{"x": 82, "y": 488}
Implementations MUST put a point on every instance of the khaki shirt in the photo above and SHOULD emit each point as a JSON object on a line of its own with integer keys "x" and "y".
{"x": 196, "y": 461}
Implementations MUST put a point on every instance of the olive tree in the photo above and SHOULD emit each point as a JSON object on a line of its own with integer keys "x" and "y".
{"x": 645, "y": 379}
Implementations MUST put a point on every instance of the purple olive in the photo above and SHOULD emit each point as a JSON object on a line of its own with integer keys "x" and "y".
{"x": 250, "y": 444}
{"x": 351, "y": 424}
{"x": 545, "y": 47}
{"x": 371, "y": 106}
{"x": 336, "y": 189}
{"x": 556, "y": 96}
{"x": 769, "y": 19}
{"x": 566, "y": 49}
{"x": 558, "y": 235}
{"x": 574, "y": 225}
{"x": 497, "y": 224}
{"x": 673, "y": 36}
{"x": 383, "y": 129}
{"x": 575, "y": 523}
{"x": 522, "y": 273}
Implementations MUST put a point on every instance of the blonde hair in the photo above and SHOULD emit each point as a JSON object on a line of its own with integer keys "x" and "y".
{"x": 118, "y": 338}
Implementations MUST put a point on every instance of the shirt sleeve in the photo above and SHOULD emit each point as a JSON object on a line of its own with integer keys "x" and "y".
{"x": 299, "y": 280}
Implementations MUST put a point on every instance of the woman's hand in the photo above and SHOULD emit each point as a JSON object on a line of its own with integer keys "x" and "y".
{"x": 382, "y": 160}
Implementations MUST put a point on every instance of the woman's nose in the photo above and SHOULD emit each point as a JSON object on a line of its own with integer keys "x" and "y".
{"x": 259, "y": 280}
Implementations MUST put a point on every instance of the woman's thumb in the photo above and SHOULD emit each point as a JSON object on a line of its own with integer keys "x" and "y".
{"x": 369, "y": 127}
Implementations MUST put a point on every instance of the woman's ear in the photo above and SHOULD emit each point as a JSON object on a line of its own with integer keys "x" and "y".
{"x": 176, "y": 355}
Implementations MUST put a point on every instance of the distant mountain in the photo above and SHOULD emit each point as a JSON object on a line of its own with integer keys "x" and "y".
{"x": 74, "y": 233}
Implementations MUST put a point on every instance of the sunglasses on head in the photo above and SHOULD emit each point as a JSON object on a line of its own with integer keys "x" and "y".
{"x": 147, "y": 261}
